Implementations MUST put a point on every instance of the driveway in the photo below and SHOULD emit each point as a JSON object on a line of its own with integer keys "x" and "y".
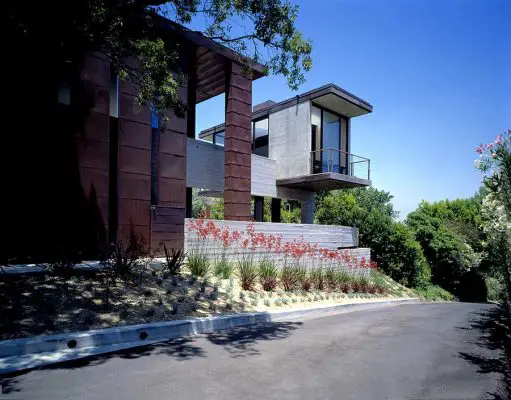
{"x": 415, "y": 351}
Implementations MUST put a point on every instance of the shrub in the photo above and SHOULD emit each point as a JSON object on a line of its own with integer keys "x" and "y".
{"x": 247, "y": 272}
{"x": 65, "y": 263}
{"x": 307, "y": 282}
{"x": 174, "y": 259}
{"x": 331, "y": 278}
{"x": 288, "y": 277}
{"x": 223, "y": 269}
{"x": 198, "y": 264}
{"x": 124, "y": 259}
{"x": 303, "y": 280}
{"x": 344, "y": 280}
{"x": 360, "y": 284}
{"x": 268, "y": 274}
{"x": 434, "y": 293}
{"x": 318, "y": 279}
{"x": 495, "y": 289}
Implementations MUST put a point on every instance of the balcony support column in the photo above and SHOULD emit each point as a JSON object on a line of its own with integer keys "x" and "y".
{"x": 308, "y": 210}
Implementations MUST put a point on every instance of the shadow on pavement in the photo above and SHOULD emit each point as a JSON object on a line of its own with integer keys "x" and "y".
{"x": 492, "y": 353}
{"x": 240, "y": 342}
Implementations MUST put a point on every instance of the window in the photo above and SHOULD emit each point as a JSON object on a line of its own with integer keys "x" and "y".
{"x": 329, "y": 141}
{"x": 219, "y": 138}
{"x": 155, "y": 149}
{"x": 114, "y": 95}
{"x": 261, "y": 137}
{"x": 64, "y": 93}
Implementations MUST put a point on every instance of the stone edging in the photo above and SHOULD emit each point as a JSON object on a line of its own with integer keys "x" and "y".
{"x": 27, "y": 353}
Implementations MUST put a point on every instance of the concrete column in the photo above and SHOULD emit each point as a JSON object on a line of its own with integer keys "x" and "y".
{"x": 259, "y": 208}
{"x": 238, "y": 145}
{"x": 308, "y": 211}
{"x": 276, "y": 204}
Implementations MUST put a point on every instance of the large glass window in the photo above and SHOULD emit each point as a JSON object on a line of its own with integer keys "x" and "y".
{"x": 329, "y": 142}
{"x": 261, "y": 137}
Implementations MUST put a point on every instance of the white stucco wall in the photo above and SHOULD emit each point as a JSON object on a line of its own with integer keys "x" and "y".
{"x": 290, "y": 140}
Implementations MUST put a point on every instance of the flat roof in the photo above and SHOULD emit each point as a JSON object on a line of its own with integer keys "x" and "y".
{"x": 329, "y": 96}
{"x": 325, "y": 96}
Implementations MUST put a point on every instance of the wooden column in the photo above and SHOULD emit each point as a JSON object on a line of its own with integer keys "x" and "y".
{"x": 238, "y": 145}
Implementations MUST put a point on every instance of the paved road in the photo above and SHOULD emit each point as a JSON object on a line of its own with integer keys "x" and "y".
{"x": 429, "y": 351}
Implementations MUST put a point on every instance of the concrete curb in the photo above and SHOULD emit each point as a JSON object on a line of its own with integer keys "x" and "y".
{"x": 28, "y": 353}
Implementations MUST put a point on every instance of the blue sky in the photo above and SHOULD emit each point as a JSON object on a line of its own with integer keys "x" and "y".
{"x": 438, "y": 74}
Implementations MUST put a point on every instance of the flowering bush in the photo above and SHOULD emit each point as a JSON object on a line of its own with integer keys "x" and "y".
{"x": 298, "y": 252}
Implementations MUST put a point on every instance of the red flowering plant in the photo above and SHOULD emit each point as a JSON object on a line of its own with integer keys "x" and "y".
{"x": 244, "y": 245}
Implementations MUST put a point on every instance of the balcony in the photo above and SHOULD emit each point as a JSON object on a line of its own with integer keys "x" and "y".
{"x": 332, "y": 169}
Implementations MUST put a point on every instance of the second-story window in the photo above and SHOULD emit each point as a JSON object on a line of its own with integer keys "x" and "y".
{"x": 260, "y": 138}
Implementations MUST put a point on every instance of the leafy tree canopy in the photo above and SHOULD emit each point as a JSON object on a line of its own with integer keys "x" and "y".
{"x": 58, "y": 34}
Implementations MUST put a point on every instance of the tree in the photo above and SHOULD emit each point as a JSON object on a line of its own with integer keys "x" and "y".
{"x": 448, "y": 254}
{"x": 392, "y": 244}
{"x": 55, "y": 36}
{"x": 495, "y": 162}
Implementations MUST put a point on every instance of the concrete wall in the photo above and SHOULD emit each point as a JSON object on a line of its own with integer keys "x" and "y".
{"x": 330, "y": 237}
{"x": 204, "y": 165}
{"x": 290, "y": 140}
{"x": 204, "y": 170}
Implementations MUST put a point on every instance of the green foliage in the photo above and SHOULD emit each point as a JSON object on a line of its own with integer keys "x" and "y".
{"x": 331, "y": 278}
{"x": 247, "y": 272}
{"x": 223, "y": 268}
{"x": 198, "y": 263}
{"x": 289, "y": 277}
{"x": 268, "y": 274}
{"x": 174, "y": 259}
{"x": 402, "y": 257}
{"x": 344, "y": 281}
{"x": 132, "y": 31}
{"x": 393, "y": 244}
{"x": 446, "y": 251}
{"x": 433, "y": 293}
{"x": 124, "y": 258}
{"x": 495, "y": 289}
{"x": 318, "y": 278}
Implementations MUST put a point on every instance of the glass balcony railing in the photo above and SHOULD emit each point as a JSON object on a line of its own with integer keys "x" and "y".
{"x": 340, "y": 162}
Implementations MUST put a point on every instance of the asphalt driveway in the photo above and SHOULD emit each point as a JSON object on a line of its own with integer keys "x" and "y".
{"x": 416, "y": 351}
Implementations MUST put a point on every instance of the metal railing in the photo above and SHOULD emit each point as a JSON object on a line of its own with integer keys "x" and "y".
{"x": 338, "y": 161}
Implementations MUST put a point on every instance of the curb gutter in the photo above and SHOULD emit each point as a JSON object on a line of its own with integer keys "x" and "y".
{"x": 21, "y": 354}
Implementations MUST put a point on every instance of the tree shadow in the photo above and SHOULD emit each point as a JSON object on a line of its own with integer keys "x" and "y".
{"x": 239, "y": 342}
{"x": 492, "y": 353}
{"x": 242, "y": 341}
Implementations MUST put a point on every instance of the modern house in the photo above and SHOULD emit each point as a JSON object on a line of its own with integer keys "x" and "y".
{"x": 106, "y": 164}
{"x": 299, "y": 146}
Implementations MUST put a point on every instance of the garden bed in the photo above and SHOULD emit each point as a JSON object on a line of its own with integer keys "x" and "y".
{"x": 41, "y": 305}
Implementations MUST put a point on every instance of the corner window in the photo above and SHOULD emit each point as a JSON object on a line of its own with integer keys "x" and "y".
{"x": 260, "y": 138}
{"x": 219, "y": 138}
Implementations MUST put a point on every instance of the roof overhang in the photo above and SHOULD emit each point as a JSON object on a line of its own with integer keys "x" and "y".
{"x": 323, "y": 181}
{"x": 329, "y": 96}
{"x": 211, "y": 61}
